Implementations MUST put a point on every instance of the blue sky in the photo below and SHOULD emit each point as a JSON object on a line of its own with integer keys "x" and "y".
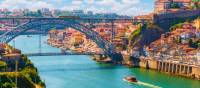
{"x": 123, "y": 7}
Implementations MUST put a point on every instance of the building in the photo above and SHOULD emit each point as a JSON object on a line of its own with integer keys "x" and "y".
{"x": 78, "y": 38}
{"x": 165, "y": 5}
{"x": 197, "y": 24}
{"x": 56, "y": 12}
{"x": 46, "y": 12}
{"x": 52, "y": 34}
{"x": 4, "y": 12}
{"x": 61, "y": 36}
{"x": 78, "y": 13}
{"x": 17, "y": 12}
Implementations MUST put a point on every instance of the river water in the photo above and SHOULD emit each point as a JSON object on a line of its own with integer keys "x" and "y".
{"x": 82, "y": 72}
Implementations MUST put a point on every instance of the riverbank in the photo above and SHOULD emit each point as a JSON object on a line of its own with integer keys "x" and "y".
{"x": 178, "y": 69}
{"x": 170, "y": 67}
{"x": 17, "y": 70}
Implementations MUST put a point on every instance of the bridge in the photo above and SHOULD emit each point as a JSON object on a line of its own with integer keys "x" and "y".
{"x": 62, "y": 54}
{"x": 90, "y": 22}
{"x": 86, "y": 20}
{"x": 84, "y": 25}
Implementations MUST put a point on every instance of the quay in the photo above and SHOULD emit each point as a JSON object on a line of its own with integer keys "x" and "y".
{"x": 170, "y": 67}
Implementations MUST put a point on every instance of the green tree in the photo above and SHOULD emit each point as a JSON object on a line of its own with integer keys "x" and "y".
{"x": 8, "y": 85}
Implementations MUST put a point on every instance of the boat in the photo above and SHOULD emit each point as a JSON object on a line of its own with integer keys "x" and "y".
{"x": 133, "y": 80}
{"x": 130, "y": 79}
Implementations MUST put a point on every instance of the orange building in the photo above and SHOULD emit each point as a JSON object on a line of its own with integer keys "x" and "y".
{"x": 77, "y": 39}
{"x": 197, "y": 24}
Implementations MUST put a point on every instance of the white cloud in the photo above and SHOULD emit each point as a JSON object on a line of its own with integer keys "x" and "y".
{"x": 131, "y": 1}
{"x": 77, "y": 2}
{"x": 70, "y": 8}
{"x": 89, "y": 1}
{"x": 21, "y": 4}
{"x": 124, "y": 7}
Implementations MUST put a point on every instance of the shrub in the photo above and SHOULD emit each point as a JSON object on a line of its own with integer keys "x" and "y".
{"x": 179, "y": 25}
{"x": 8, "y": 85}
{"x": 3, "y": 65}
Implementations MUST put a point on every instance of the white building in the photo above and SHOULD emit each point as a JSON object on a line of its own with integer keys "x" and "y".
{"x": 46, "y": 12}
{"x": 56, "y": 12}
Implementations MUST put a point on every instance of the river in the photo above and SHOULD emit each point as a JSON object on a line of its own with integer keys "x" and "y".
{"x": 82, "y": 72}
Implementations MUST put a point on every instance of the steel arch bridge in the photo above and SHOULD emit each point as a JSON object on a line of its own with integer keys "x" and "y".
{"x": 34, "y": 24}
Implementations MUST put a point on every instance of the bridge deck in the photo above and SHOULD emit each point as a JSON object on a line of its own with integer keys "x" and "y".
{"x": 80, "y": 19}
{"x": 71, "y": 18}
{"x": 61, "y": 54}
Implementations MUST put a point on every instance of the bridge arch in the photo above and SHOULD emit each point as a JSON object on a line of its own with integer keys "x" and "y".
{"x": 105, "y": 45}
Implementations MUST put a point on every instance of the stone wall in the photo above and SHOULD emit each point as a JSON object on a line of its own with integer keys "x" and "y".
{"x": 165, "y": 21}
{"x": 184, "y": 70}
{"x": 175, "y": 15}
{"x": 196, "y": 72}
{"x": 148, "y": 63}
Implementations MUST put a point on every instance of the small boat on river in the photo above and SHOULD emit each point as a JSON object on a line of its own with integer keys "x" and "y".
{"x": 133, "y": 80}
{"x": 130, "y": 79}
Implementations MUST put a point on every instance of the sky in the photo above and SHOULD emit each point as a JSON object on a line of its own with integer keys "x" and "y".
{"x": 122, "y": 7}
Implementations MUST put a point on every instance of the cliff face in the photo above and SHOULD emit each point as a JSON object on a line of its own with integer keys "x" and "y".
{"x": 148, "y": 33}
{"x": 141, "y": 37}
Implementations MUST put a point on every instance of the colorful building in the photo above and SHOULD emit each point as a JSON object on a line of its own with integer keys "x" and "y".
{"x": 197, "y": 24}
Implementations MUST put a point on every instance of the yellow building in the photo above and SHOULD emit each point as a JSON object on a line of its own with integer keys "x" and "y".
{"x": 197, "y": 24}
{"x": 77, "y": 38}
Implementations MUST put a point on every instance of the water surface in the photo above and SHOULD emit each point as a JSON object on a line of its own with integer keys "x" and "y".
{"x": 82, "y": 72}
